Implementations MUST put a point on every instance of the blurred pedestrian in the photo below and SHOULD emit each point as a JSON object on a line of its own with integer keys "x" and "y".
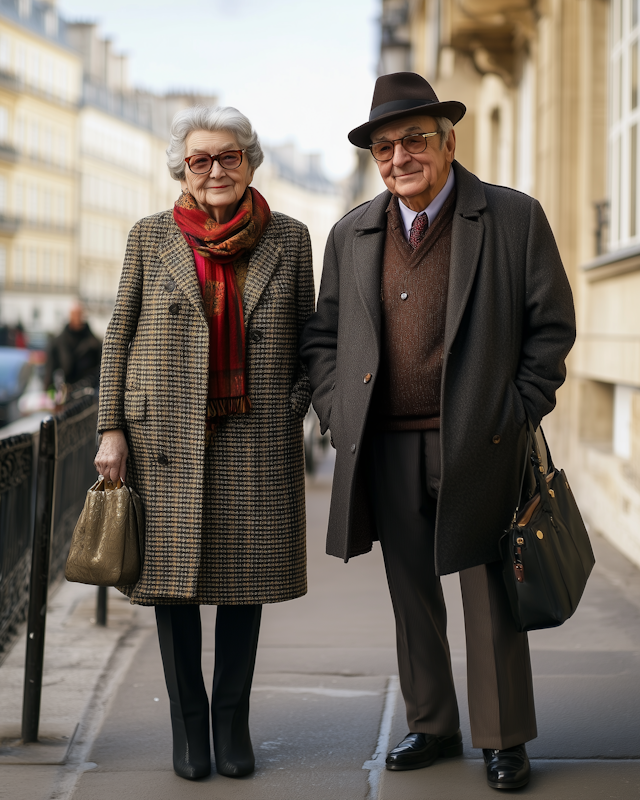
{"x": 74, "y": 355}
{"x": 444, "y": 320}
{"x": 202, "y": 400}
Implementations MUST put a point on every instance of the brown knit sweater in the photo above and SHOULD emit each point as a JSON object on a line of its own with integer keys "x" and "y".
{"x": 408, "y": 387}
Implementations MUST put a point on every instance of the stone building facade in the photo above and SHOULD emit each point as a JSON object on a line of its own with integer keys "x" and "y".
{"x": 552, "y": 89}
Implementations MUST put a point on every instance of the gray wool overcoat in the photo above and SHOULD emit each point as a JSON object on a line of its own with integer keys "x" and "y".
{"x": 154, "y": 386}
{"x": 509, "y": 327}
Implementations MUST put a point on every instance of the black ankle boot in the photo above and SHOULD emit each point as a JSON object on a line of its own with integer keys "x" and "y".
{"x": 191, "y": 747}
{"x": 237, "y": 629}
{"x": 180, "y": 636}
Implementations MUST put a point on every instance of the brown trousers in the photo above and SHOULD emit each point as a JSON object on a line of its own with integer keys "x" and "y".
{"x": 403, "y": 476}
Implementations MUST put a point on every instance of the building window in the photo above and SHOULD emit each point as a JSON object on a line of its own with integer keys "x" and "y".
{"x": 4, "y": 124}
{"x": 5, "y": 53}
{"x": 47, "y": 277}
{"x": 32, "y": 206}
{"x": 24, "y": 8}
{"x": 32, "y": 267}
{"x": 18, "y": 199}
{"x": 625, "y": 409}
{"x": 60, "y": 269}
{"x": 3, "y": 195}
{"x": 624, "y": 123}
{"x": 3, "y": 264}
{"x": 18, "y": 266}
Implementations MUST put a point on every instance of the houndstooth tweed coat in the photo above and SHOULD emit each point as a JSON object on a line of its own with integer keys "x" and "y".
{"x": 226, "y": 524}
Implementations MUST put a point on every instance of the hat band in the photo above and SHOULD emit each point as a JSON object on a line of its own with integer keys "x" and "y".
{"x": 398, "y": 105}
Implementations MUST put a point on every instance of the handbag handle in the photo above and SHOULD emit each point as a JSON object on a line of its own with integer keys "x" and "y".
{"x": 102, "y": 484}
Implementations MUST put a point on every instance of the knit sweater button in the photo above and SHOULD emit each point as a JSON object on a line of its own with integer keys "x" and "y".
{"x": 404, "y": 296}
{"x": 367, "y": 377}
{"x": 170, "y": 285}
{"x": 163, "y": 460}
{"x": 496, "y": 439}
{"x": 174, "y": 309}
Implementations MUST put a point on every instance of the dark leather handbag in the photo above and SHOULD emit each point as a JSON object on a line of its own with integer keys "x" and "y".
{"x": 546, "y": 553}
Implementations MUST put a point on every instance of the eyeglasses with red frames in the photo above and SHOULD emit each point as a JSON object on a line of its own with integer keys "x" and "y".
{"x": 200, "y": 163}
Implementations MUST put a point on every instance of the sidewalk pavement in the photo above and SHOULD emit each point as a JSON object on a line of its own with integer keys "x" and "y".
{"x": 325, "y": 704}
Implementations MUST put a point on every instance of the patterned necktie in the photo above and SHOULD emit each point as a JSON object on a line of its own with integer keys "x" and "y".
{"x": 420, "y": 225}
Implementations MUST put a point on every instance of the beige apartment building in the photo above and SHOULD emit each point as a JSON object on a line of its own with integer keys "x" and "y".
{"x": 40, "y": 88}
{"x": 552, "y": 89}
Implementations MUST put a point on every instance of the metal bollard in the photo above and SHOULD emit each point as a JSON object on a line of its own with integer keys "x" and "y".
{"x": 101, "y": 606}
{"x": 37, "y": 617}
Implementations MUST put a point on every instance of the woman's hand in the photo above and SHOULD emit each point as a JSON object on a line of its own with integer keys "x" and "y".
{"x": 111, "y": 459}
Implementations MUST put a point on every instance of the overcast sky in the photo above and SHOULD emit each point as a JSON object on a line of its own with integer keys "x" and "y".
{"x": 300, "y": 70}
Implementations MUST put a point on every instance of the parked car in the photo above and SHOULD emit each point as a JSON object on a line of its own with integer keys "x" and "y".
{"x": 16, "y": 368}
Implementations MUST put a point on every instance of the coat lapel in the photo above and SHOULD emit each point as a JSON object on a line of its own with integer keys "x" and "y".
{"x": 466, "y": 244}
{"x": 262, "y": 263}
{"x": 368, "y": 252}
{"x": 177, "y": 257}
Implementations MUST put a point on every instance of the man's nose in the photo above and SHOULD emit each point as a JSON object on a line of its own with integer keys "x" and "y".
{"x": 400, "y": 155}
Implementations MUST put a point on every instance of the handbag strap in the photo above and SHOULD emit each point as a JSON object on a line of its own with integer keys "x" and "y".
{"x": 532, "y": 451}
{"x": 538, "y": 469}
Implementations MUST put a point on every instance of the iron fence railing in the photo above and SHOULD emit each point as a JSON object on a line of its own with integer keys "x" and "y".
{"x": 16, "y": 528}
{"x": 74, "y": 474}
{"x": 44, "y": 476}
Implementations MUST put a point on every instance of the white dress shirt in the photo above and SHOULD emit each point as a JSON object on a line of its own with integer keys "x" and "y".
{"x": 431, "y": 210}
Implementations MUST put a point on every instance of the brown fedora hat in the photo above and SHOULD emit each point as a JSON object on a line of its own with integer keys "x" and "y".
{"x": 402, "y": 94}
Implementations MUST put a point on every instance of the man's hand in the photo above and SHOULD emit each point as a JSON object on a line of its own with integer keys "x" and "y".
{"x": 111, "y": 459}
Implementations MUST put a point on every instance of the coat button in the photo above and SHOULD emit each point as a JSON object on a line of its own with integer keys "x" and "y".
{"x": 174, "y": 309}
{"x": 368, "y": 377}
{"x": 496, "y": 439}
{"x": 163, "y": 460}
{"x": 353, "y": 448}
{"x": 170, "y": 286}
{"x": 256, "y": 336}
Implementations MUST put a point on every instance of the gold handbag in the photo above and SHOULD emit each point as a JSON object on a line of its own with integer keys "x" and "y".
{"x": 107, "y": 542}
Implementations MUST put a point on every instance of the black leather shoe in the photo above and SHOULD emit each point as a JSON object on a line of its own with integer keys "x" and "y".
{"x": 507, "y": 769}
{"x": 419, "y": 750}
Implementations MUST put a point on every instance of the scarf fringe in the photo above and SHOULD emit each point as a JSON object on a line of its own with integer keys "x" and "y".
{"x": 224, "y": 406}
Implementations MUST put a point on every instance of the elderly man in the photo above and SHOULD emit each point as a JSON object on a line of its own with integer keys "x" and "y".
{"x": 443, "y": 322}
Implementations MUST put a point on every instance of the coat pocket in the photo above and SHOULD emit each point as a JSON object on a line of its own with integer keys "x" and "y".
{"x": 135, "y": 406}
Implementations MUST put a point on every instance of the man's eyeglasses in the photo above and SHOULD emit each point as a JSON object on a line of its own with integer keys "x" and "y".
{"x": 415, "y": 143}
{"x": 201, "y": 162}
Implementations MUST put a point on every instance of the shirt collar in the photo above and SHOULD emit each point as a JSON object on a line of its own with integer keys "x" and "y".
{"x": 432, "y": 210}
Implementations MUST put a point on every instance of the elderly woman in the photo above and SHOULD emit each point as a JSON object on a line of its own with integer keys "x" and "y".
{"x": 202, "y": 398}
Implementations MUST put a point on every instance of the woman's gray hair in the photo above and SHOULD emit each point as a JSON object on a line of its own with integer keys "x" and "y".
{"x": 206, "y": 118}
{"x": 445, "y": 126}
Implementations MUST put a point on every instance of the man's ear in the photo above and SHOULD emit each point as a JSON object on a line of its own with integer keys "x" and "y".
{"x": 450, "y": 146}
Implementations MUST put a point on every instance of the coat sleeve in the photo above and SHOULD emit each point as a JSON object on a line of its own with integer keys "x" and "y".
{"x": 320, "y": 336}
{"x": 549, "y": 328}
{"x": 120, "y": 332}
{"x": 305, "y": 298}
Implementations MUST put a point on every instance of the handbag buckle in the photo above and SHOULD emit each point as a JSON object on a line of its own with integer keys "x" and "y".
{"x": 518, "y": 566}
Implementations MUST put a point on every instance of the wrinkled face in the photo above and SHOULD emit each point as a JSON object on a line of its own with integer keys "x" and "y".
{"x": 415, "y": 178}
{"x": 219, "y": 191}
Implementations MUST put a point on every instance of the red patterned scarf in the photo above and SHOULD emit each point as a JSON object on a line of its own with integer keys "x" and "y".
{"x": 220, "y": 246}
